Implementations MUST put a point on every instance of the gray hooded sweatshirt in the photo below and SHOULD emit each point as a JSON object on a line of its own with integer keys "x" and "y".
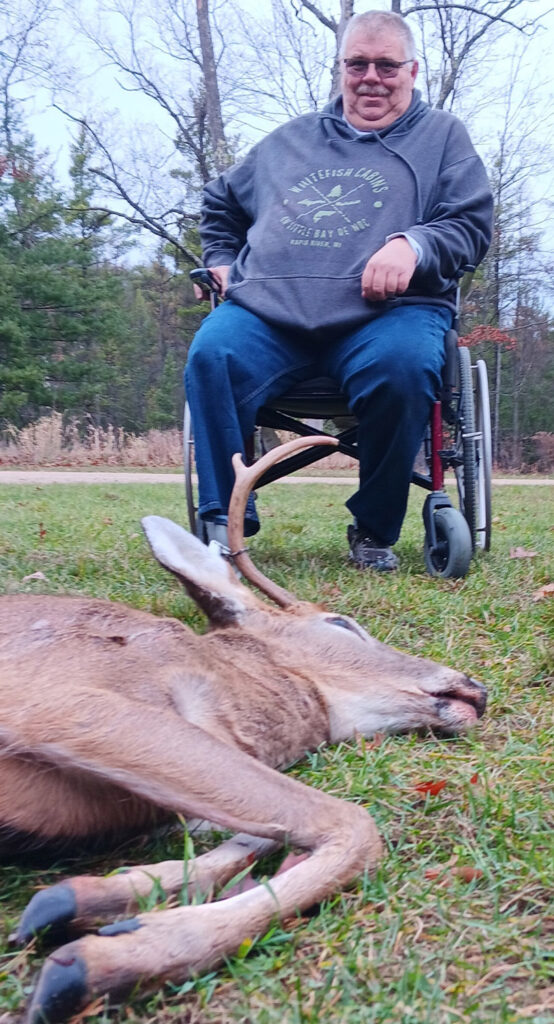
{"x": 299, "y": 217}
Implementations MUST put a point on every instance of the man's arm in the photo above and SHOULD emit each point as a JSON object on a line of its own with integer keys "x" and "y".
{"x": 226, "y": 214}
{"x": 455, "y": 233}
{"x": 224, "y": 222}
{"x": 457, "y": 230}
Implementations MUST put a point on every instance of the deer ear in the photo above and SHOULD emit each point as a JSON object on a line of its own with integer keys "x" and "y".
{"x": 205, "y": 574}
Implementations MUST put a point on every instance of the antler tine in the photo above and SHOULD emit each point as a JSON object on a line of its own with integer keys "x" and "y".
{"x": 245, "y": 481}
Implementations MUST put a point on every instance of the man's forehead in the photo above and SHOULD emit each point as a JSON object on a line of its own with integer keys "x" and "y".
{"x": 366, "y": 43}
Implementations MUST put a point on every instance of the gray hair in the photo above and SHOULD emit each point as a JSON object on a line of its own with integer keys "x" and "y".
{"x": 375, "y": 22}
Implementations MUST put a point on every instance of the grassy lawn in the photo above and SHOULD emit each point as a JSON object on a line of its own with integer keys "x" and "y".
{"x": 417, "y": 942}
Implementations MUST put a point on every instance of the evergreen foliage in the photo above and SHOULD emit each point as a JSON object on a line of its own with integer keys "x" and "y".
{"x": 81, "y": 333}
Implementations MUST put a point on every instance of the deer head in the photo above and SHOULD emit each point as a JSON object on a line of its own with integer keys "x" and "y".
{"x": 366, "y": 685}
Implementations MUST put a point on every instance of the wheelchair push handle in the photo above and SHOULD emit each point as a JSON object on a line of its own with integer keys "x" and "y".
{"x": 204, "y": 279}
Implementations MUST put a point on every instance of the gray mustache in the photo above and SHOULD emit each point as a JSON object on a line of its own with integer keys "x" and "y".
{"x": 365, "y": 90}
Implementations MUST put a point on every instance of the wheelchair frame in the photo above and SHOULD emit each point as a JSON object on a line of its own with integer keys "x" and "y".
{"x": 458, "y": 438}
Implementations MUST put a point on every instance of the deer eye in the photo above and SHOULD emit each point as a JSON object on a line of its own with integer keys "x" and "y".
{"x": 343, "y": 623}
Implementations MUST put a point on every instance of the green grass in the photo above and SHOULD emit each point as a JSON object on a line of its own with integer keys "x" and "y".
{"x": 399, "y": 947}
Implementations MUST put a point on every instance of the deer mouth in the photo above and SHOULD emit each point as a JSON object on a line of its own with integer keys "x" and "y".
{"x": 466, "y": 701}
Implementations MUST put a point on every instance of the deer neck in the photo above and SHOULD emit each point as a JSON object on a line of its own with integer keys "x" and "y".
{"x": 243, "y": 695}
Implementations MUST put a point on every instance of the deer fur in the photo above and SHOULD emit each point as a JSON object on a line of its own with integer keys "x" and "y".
{"x": 114, "y": 719}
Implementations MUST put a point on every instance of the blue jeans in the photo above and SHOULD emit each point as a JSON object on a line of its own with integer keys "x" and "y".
{"x": 389, "y": 370}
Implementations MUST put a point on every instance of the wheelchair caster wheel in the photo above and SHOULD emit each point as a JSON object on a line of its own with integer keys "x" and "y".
{"x": 452, "y": 554}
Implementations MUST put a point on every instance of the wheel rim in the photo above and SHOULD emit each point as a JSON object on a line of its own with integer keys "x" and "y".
{"x": 465, "y": 442}
{"x": 188, "y": 454}
{"x": 483, "y": 525}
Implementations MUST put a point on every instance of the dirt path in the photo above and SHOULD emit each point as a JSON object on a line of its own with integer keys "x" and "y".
{"x": 39, "y": 477}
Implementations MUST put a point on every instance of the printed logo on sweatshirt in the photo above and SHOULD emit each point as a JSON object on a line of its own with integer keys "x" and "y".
{"x": 321, "y": 212}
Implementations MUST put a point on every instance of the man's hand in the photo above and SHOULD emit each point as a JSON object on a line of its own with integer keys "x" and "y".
{"x": 220, "y": 276}
{"x": 389, "y": 271}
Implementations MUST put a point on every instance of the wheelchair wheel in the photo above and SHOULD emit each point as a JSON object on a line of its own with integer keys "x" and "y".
{"x": 465, "y": 444}
{"x": 452, "y": 554}
{"x": 188, "y": 454}
{"x": 484, "y": 457}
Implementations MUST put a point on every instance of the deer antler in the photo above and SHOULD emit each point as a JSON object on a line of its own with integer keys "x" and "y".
{"x": 245, "y": 481}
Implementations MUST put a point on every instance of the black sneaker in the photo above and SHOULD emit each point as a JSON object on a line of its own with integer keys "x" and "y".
{"x": 367, "y": 553}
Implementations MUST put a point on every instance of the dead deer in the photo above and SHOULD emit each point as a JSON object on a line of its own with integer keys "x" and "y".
{"x": 113, "y": 718}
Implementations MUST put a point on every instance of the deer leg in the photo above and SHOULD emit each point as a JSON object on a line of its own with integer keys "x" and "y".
{"x": 171, "y": 945}
{"x": 85, "y": 902}
{"x": 179, "y": 766}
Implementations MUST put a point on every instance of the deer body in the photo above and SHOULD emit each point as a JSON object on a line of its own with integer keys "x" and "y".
{"x": 153, "y": 665}
{"x": 113, "y": 719}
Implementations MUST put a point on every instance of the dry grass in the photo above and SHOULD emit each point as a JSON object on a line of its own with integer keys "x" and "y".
{"x": 51, "y": 442}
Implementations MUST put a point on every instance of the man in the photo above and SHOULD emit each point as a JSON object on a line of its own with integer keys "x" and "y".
{"x": 338, "y": 243}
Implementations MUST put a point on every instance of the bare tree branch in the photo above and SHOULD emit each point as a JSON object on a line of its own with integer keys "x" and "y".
{"x": 480, "y": 11}
{"x": 460, "y": 30}
{"x": 140, "y": 216}
{"x": 317, "y": 13}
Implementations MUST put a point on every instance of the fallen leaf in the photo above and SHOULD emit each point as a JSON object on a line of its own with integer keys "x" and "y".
{"x": 522, "y": 553}
{"x": 542, "y": 592}
{"x": 466, "y": 873}
{"x": 34, "y": 576}
{"x": 430, "y": 787}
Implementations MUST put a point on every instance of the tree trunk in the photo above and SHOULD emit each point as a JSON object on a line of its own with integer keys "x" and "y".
{"x": 346, "y": 12}
{"x": 221, "y": 155}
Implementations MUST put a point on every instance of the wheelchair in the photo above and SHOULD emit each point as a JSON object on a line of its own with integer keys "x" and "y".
{"x": 457, "y": 439}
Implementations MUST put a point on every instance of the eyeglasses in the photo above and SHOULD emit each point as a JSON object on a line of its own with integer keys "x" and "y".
{"x": 357, "y": 66}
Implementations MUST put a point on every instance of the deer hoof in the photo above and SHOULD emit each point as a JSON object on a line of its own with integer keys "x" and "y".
{"x": 61, "y": 991}
{"x": 50, "y": 909}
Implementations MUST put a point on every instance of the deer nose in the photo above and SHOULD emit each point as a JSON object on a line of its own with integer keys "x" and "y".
{"x": 480, "y": 695}
{"x": 464, "y": 691}
{"x": 467, "y": 691}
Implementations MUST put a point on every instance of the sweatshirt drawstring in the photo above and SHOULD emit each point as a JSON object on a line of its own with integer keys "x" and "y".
{"x": 343, "y": 135}
{"x": 412, "y": 171}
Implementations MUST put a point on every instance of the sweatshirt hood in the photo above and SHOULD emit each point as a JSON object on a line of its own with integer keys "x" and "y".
{"x": 333, "y": 123}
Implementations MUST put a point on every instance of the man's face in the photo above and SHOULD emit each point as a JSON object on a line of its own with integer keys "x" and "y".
{"x": 372, "y": 101}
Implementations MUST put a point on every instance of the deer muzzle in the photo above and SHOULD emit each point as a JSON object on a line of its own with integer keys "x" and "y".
{"x": 461, "y": 706}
